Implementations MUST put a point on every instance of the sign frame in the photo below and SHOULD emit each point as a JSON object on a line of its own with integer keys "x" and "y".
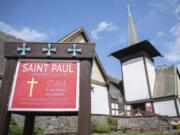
{"x": 44, "y": 109}
{"x": 13, "y": 51}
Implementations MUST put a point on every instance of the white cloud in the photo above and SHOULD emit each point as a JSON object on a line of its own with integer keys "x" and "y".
{"x": 166, "y": 5}
{"x": 175, "y": 4}
{"x": 160, "y": 34}
{"x": 103, "y": 26}
{"x": 24, "y": 33}
{"x": 161, "y": 6}
{"x": 177, "y": 10}
{"x": 173, "y": 53}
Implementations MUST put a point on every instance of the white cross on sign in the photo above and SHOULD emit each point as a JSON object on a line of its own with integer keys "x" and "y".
{"x": 74, "y": 50}
{"x": 32, "y": 82}
{"x": 49, "y": 50}
{"x": 23, "y": 50}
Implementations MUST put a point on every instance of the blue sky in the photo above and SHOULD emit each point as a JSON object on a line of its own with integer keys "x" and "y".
{"x": 104, "y": 20}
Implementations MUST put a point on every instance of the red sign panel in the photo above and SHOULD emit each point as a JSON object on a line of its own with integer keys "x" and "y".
{"x": 45, "y": 86}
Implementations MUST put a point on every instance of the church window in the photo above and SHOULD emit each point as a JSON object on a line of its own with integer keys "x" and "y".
{"x": 114, "y": 109}
{"x": 112, "y": 105}
{"x": 113, "y": 112}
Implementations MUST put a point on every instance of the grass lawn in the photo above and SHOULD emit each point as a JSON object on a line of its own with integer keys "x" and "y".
{"x": 135, "y": 133}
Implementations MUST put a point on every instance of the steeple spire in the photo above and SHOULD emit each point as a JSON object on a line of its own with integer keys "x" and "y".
{"x": 132, "y": 31}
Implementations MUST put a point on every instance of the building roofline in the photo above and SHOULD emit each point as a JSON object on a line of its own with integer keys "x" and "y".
{"x": 73, "y": 34}
{"x": 140, "y": 46}
{"x": 82, "y": 30}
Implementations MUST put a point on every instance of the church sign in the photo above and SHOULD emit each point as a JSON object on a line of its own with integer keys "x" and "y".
{"x": 40, "y": 85}
{"x": 43, "y": 79}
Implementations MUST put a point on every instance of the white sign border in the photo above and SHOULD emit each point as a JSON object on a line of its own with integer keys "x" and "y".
{"x": 45, "y": 109}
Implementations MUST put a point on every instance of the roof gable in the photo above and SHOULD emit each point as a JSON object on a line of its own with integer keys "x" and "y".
{"x": 75, "y": 35}
{"x": 79, "y": 35}
{"x": 97, "y": 73}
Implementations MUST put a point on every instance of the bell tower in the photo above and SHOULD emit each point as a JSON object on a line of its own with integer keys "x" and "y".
{"x": 137, "y": 66}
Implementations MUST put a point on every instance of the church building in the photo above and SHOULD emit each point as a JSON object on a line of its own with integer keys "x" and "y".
{"x": 143, "y": 86}
{"x": 146, "y": 87}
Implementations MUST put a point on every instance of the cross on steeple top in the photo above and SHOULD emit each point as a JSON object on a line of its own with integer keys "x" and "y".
{"x": 23, "y": 50}
{"x": 128, "y": 7}
{"x": 74, "y": 50}
{"x": 49, "y": 50}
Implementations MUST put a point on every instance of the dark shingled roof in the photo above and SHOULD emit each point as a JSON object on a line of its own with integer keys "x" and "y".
{"x": 165, "y": 83}
{"x": 140, "y": 46}
{"x": 113, "y": 80}
{"x": 115, "y": 87}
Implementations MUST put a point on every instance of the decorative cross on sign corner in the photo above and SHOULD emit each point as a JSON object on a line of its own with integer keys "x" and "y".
{"x": 23, "y": 50}
{"x": 74, "y": 50}
{"x": 31, "y": 82}
{"x": 49, "y": 50}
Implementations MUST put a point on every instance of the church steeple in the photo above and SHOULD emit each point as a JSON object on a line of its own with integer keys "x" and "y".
{"x": 137, "y": 66}
{"x": 132, "y": 31}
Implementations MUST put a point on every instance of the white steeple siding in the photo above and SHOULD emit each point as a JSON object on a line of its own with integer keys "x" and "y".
{"x": 178, "y": 104}
{"x": 151, "y": 74}
{"x": 178, "y": 86}
{"x": 135, "y": 83}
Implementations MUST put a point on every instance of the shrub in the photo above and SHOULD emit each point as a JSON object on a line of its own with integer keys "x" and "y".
{"x": 112, "y": 123}
{"x": 141, "y": 130}
{"x": 38, "y": 130}
{"x": 124, "y": 130}
{"x": 101, "y": 128}
{"x": 14, "y": 128}
{"x": 93, "y": 124}
{"x": 105, "y": 128}
{"x": 178, "y": 126}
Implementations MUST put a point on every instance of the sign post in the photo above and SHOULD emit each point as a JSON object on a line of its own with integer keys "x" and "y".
{"x": 47, "y": 79}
